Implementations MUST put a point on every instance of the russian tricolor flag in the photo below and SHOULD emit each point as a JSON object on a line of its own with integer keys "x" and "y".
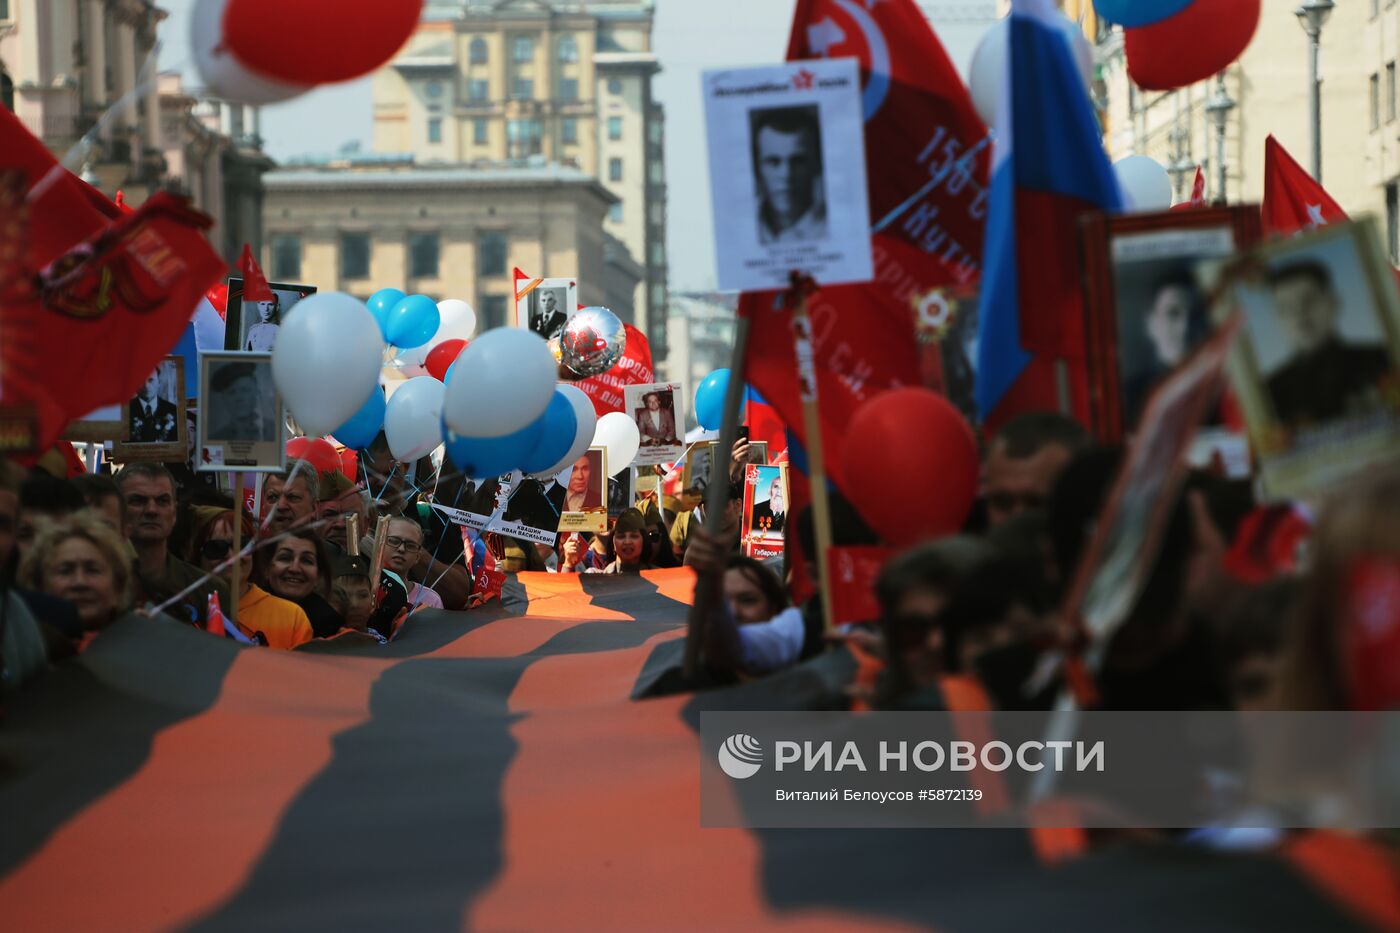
{"x": 1049, "y": 167}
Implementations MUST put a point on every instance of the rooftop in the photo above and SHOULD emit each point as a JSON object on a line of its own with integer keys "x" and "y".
{"x": 361, "y": 171}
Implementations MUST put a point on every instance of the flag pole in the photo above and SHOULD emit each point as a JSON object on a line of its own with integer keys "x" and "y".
{"x": 816, "y": 455}
{"x": 237, "y": 544}
{"x": 709, "y": 585}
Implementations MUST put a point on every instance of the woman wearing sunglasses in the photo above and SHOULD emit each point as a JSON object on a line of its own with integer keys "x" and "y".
{"x": 281, "y": 624}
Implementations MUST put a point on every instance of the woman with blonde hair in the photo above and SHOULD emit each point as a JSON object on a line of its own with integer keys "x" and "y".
{"x": 83, "y": 561}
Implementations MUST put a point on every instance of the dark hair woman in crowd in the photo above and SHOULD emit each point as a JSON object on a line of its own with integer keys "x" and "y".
{"x": 297, "y": 569}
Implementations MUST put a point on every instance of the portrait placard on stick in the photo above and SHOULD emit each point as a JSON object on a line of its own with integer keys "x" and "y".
{"x": 765, "y": 509}
{"x": 547, "y": 307}
{"x": 658, "y": 409}
{"x": 583, "y": 495}
{"x": 156, "y": 427}
{"x": 1317, "y": 364}
{"x": 787, "y": 173}
{"x": 241, "y": 424}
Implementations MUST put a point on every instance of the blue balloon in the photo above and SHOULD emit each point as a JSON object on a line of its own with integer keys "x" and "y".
{"x": 412, "y": 322}
{"x": 484, "y": 457}
{"x": 381, "y": 303}
{"x": 709, "y": 399}
{"x": 753, "y": 396}
{"x": 1131, "y": 14}
{"x": 558, "y": 425}
{"x": 364, "y": 425}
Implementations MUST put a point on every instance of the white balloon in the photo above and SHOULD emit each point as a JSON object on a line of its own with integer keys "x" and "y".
{"x": 987, "y": 73}
{"x": 503, "y": 380}
{"x": 225, "y": 77}
{"x": 1144, "y": 183}
{"x": 326, "y": 360}
{"x": 457, "y": 321}
{"x": 618, "y": 434}
{"x": 587, "y": 417}
{"x": 413, "y": 418}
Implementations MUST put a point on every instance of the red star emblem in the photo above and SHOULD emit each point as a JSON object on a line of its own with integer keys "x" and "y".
{"x": 803, "y": 79}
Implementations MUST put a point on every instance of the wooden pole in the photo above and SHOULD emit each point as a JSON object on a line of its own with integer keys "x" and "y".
{"x": 709, "y": 587}
{"x": 235, "y": 578}
{"x": 816, "y": 459}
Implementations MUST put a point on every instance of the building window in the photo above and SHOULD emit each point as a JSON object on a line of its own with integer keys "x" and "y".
{"x": 658, "y": 214}
{"x": 522, "y": 49}
{"x": 614, "y": 85}
{"x": 423, "y": 249}
{"x": 286, "y": 257}
{"x": 654, "y": 130}
{"x": 568, "y": 49}
{"x": 435, "y": 130}
{"x": 1392, "y": 220}
{"x": 658, "y": 254}
{"x": 493, "y": 312}
{"x": 491, "y": 253}
{"x": 569, "y": 130}
{"x": 524, "y": 89}
{"x": 614, "y": 170}
{"x": 4, "y": 10}
{"x": 477, "y": 55}
{"x": 615, "y": 213}
{"x": 658, "y": 296}
{"x": 1390, "y": 92}
{"x": 479, "y": 89}
{"x": 614, "y": 128}
{"x": 433, "y": 90}
{"x": 523, "y": 138}
{"x": 656, "y": 174}
{"x": 568, "y": 88}
{"x": 354, "y": 255}
{"x": 479, "y": 131}
{"x": 1375, "y": 101}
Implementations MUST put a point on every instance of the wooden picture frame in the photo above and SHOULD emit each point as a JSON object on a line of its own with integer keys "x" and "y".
{"x": 235, "y": 333}
{"x": 242, "y": 424}
{"x": 1136, "y": 267}
{"x": 167, "y": 418}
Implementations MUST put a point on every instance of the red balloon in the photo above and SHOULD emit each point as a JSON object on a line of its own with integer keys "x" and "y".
{"x": 317, "y": 41}
{"x": 316, "y": 451}
{"x": 1191, "y": 46}
{"x": 218, "y": 297}
{"x": 911, "y": 466}
{"x": 442, "y": 356}
{"x": 350, "y": 464}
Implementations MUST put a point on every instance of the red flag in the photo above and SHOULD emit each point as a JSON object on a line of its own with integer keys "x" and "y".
{"x": 1293, "y": 201}
{"x": 853, "y": 574}
{"x": 1198, "y": 193}
{"x": 633, "y": 369}
{"x": 103, "y": 296}
{"x": 927, "y": 155}
{"x": 765, "y": 425}
{"x": 255, "y": 287}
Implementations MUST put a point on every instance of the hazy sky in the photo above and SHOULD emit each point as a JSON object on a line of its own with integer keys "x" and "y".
{"x": 690, "y": 36}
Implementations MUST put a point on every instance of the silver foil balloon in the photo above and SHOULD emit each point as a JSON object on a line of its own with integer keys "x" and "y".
{"x": 592, "y": 342}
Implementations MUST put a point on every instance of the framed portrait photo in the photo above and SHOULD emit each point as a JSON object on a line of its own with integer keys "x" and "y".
{"x": 581, "y": 491}
{"x": 530, "y": 511}
{"x": 547, "y": 307}
{"x": 658, "y": 409}
{"x": 787, "y": 173}
{"x": 1145, "y": 308}
{"x": 241, "y": 424}
{"x": 621, "y": 492}
{"x": 1316, "y": 366}
{"x": 252, "y": 325}
{"x": 156, "y": 425}
{"x": 696, "y": 474}
{"x": 765, "y": 512}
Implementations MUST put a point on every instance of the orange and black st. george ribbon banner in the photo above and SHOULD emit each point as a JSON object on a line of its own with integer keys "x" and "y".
{"x": 491, "y": 771}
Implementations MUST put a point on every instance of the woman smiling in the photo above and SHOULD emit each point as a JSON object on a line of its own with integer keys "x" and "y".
{"x": 298, "y": 570}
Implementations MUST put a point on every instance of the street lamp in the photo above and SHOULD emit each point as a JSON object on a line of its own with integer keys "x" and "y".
{"x": 1312, "y": 16}
{"x": 1219, "y": 107}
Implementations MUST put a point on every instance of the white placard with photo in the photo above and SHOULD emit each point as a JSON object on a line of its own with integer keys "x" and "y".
{"x": 787, "y": 174}
{"x": 658, "y": 409}
{"x": 547, "y": 307}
